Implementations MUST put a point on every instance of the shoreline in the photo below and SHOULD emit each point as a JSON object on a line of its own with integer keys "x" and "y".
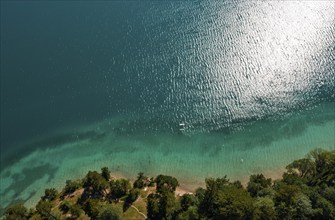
{"x": 190, "y": 159}
{"x": 183, "y": 188}
{"x": 163, "y": 195}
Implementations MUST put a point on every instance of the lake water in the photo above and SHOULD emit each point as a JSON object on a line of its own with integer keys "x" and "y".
{"x": 92, "y": 84}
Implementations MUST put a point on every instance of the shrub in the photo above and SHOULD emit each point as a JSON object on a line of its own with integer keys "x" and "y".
{"x": 119, "y": 188}
{"x": 16, "y": 211}
{"x": 50, "y": 194}
{"x": 70, "y": 187}
{"x": 110, "y": 212}
{"x": 105, "y": 173}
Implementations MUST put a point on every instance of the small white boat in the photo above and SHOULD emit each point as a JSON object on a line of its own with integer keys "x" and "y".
{"x": 181, "y": 126}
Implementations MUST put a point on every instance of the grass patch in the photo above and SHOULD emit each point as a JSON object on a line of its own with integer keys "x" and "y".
{"x": 132, "y": 213}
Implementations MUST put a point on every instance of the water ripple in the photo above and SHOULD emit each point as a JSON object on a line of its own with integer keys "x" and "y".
{"x": 216, "y": 63}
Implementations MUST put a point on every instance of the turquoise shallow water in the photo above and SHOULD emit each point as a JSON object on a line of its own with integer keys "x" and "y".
{"x": 262, "y": 147}
{"x": 92, "y": 84}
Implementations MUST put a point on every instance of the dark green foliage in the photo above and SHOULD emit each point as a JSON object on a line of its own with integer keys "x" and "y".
{"x": 153, "y": 206}
{"x": 324, "y": 209}
{"x": 225, "y": 200}
{"x": 50, "y": 194}
{"x": 315, "y": 170}
{"x": 168, "y": 205}
{"x": 323, "y": 159}
{"x": 16, "y": 211}
{"x": 238, "y": 184}
{"x": 286, "y": 193}
{"x": 232, "y": 203}
{"x": 200, "y": 194}
{"x": 324, "y": 166}
{"x": 190, "y": 213}
{"x": 132, "y": 196}
{"x": 213, "y": 186}
{"x": 95, "y": 183}
{"x": 292, "y": 203}
{"x": 119, "y": 188}
{"x": 162, "y": 206}
{"x": 264, "y": 208}
{"x": 110, "y": 212}
{"x": 166, "y": 183}
{"x": 329, "y": 194}
{"x": 70, "y": 187}
{"x": 44, "y": 207}
{"x": 293, "y": 179}
{"x": 187, "y": 200}
{"x": 257, "y": 183}
{"x": 65, "y": 206}
{"x": 105, "y": 173}
{"x": 284, "y": 212}
{"x": 75, "y": 211}
{"x": 151, "y": 182}
{"x": 92, "y": 208}
{"x": 303, "y": 168}
{"x": 306, "y": 190}
{"x": 269, "y": 192}
{"x": 303, "y": 207}
{"x": 141, "y": 181}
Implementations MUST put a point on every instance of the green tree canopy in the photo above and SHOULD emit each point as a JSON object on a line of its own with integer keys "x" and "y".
{"x": 200, "y": 194}
{"x": 213, "y": 186}
{"x": 264, "y": 208}
{"x": 232, "y": 203}
{"x": 96, "y": 183}
{"x": 44, "y": 207}
{"x": 132, "y": 195}
{"x": 190, "y": 213}
{"x": 153, "y": 206}
{"x": 65, "y": 206}
{"x": 105, "y": 173}
{"x": 50, "y": 194}
{"x": 70, "y": 187}
{"x": 304, "y": 168}
{"x": 110, "y": 212}
{"x": 92, "y": 208}
{"x": 324, "y": 166}
{"x": 16, "y": 211}
{"x": 141, "y": 181}
{"x": 166, "y": 183}
{"x": 162, "y": 206}
{"x": 257, "y": 183}
{"x": 187, "y": 200}
{"x": 119, "y": 188}
{"x": 75, "y": 211}
{"x": 285, "y": 200}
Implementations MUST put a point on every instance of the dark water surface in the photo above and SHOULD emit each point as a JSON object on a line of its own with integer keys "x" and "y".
{"x": 248, "y": 73}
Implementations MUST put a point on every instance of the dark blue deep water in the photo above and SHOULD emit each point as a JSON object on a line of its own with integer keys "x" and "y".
{"x": 217, "y": 66}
